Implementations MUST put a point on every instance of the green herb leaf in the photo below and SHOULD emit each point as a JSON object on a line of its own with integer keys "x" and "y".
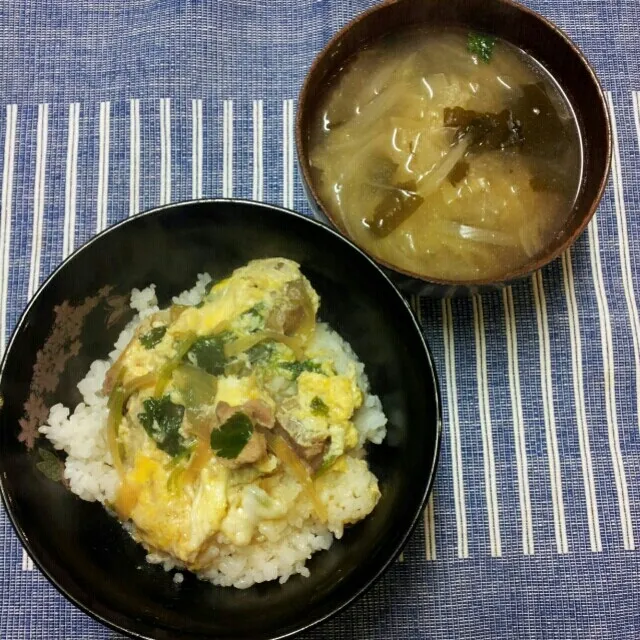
{"x": 296, "y": 368}
{"x": 208, "y": 353}
{"x": 481, "y": 45}
{"x": 153, "y": 337}
{"x": 318, "y": 407}
{"x": 50, "y": 465}
{"x": 161, "y": 420}
{"x": 230, "y": 439}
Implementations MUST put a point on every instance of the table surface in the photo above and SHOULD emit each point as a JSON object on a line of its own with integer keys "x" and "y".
{"x": 532, "y": 531}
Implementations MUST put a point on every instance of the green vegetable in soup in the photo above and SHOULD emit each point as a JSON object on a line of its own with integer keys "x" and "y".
{"x": 397, "y": 205}
{"x": 481, "y": 45}
{"x": 486, "y": 131}
{"x": 153, "y": 337}
{"x": 459, "y": 172}
{"x": 161, "y": 420}
{"x": 544, "y": 133}
{"x": 230, "y": 439}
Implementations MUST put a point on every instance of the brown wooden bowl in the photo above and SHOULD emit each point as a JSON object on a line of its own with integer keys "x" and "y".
{"x": 516, "y": 24}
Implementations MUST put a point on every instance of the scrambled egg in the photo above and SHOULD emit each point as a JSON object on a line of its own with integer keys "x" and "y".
{"x": 219, "y": 421}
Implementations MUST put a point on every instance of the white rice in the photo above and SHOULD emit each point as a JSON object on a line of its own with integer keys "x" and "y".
{"x": 285, "y": 546}
{"x": 193, "y": 296}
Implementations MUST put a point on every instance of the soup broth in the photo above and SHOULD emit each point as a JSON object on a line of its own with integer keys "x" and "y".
{"x": 451, "y": 154}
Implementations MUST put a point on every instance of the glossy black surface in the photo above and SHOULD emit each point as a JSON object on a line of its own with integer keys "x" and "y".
{"x": 86, "y": 553}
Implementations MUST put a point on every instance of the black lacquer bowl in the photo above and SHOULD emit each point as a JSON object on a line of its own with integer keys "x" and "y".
{"x": 76, "y": 317}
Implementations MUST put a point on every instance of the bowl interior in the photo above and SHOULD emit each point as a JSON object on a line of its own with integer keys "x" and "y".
{"x": 83, "y": 550}
{"x": 515, "y": 24}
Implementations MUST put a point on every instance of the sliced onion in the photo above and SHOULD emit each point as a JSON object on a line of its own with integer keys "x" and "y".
{"x": 298, "y": 470}
{"x": 115, "y": 404}
{"x": 147, "y": 380}
{"x": 428, "y": 182}
{"x": 198, "y": 461}
{"x": 487, "y": 236}
{"x": 244, "y": 343}
{"x": 164, "y": 374}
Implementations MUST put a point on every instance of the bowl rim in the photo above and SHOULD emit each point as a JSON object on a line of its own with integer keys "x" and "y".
{"x": 438, "y": 427}
{"x": 513, "y": 274}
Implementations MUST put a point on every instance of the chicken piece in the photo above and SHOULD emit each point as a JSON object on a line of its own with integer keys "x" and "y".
{"x": 258, "y": 411}
{"x": 253, "y": 451}
{"x": 312, "y": 455}
{"x": 296, "y": 311}
{"x": 288, "y": 426}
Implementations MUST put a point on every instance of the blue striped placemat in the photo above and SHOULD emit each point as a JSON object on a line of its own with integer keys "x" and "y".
{"x": 533, "y": 528}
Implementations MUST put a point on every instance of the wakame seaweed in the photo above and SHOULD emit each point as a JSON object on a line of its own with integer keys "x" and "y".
{"x": 543, "y": 131}
{"x": 531, "y": 123}
{"x": 396, "y": 206}
{"x": 459, "y": 172}
{"x": 488, "y": 131}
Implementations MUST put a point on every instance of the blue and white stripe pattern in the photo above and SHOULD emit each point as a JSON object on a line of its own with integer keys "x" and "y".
{"x": 531, "y": 531}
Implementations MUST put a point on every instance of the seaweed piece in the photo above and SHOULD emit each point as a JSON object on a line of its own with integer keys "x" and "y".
{"x": 532, "y": 123}
{"x": 459, "y": 172}
{"x": 481, "y": 45}
{"x": 397, "y": 205}
{"x": 488, "y": 131}
{"x": 543, "y": 131}
{"x": 382, "y": 169}
{"x": 547, "y": 176}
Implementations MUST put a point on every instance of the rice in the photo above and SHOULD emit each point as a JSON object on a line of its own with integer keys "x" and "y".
{"x": 193, "y": 296}
{"x": 283, "y": 548}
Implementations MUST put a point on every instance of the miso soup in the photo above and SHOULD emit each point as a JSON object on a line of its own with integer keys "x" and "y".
{"x": 450, "y": 154}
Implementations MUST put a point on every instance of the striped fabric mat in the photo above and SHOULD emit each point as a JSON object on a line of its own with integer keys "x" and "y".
{"x": 534, "y": 525}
